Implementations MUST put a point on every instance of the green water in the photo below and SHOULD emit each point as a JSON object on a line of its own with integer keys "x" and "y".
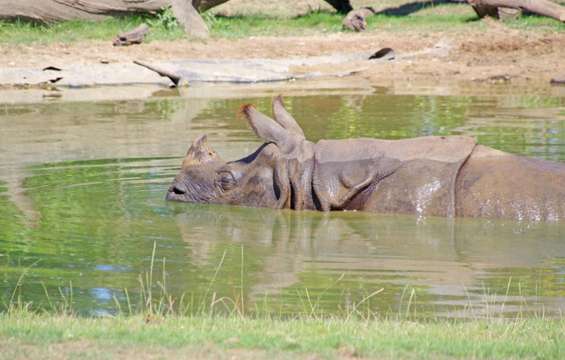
{"x": 82, "y": 188}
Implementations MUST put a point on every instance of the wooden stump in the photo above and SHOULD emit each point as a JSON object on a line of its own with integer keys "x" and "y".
{"x": 135, "y": 36}
{"x": 356, "y": 20}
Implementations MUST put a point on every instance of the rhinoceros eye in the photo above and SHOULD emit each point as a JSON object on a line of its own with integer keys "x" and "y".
{"x": 226, "y": 180}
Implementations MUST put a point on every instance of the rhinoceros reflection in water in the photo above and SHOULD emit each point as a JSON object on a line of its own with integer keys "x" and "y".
{"x": 435, "y": 176}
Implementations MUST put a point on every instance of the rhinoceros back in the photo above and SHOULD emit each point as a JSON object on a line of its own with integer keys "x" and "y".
{"x": 495, "y": 184}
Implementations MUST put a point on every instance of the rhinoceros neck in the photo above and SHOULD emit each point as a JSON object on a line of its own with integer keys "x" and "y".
{"x": 300, "y": 165}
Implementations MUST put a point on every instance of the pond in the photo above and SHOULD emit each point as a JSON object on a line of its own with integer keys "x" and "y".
{"x": 83, "y": 218}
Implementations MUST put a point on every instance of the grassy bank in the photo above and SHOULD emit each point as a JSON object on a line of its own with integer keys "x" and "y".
{"x": 158, "y": 325}
{"x": 27, "y": 335}
{"x": 164, "y": 27}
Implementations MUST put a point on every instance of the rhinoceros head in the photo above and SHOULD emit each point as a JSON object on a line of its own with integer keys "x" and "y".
{"x": 259, "y": 179}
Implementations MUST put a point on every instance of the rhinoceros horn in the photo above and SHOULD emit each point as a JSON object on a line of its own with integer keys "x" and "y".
{"x": 199, "y": 152}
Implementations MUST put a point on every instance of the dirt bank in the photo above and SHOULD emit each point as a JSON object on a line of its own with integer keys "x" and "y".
{"x": 495, "y": 54}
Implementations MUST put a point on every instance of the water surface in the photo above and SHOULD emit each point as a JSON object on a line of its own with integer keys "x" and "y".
{"x": 82, "y": 188}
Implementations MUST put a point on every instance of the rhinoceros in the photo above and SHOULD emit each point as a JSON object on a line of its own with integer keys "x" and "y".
{"x": 427, "y": 176}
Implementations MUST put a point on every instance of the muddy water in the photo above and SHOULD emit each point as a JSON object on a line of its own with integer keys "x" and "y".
{"x": 82, "y": 188}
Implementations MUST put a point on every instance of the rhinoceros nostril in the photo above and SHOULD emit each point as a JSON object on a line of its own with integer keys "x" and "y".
{"x": 178, "y": 190}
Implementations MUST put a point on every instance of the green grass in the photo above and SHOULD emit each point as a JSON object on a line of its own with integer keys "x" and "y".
{"x": 532, "y": 22}
{"x": 22, "y": 32}
{"x": 534, "y": 338}
{"x": 324, "y": 22}
{"x": 164, "y": 26}
{"x": 243, "y": 26}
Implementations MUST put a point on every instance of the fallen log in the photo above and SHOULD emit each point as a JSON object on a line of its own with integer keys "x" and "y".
{"x": 539, "y": 7}
{"x": 47, "y": 11}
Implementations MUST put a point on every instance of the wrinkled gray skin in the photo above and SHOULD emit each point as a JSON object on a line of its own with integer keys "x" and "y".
{"x": 427, "y": 176}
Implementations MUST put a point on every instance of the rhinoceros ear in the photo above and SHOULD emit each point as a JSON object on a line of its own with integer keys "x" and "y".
{"x": 283, "y": 117}
{"x": 267, "y": 129}
{"x": 199, "y": 152}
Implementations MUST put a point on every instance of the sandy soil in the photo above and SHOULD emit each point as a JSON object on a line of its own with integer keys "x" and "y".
{"x": 498, "y": 54}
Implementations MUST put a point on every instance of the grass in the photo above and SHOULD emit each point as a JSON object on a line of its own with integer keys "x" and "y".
{"x": 23, "y": 32}
{"x": 161, "y": 326}
{"x": 532, "y": 338}
{"x": 164, "y": 26}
